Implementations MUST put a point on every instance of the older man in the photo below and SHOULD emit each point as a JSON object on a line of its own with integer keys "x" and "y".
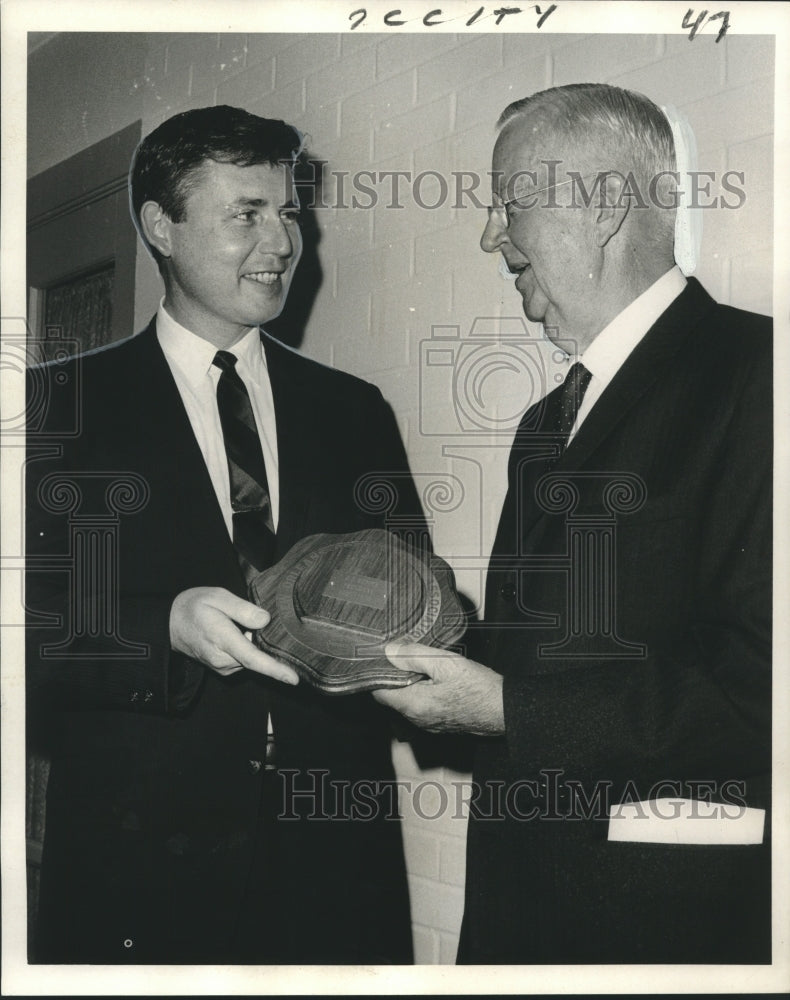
{"x": 623, "y": 774}
{"x": 173, "y": 738}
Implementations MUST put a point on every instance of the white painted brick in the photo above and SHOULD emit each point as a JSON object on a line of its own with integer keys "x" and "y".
{"x": 353, "y": 42}
{"x": 429, "y": 771}
{"x": 435, "y": 905}
{"x": 751, "y": 282}
{"x": 396, "y": 52}
{"x": 485, "y": 100}
{"x": 525, "y": 46}
{"x": 352, "y": 150}
{"x": 402, "y": 132}
{"x": 459, "y": 66}
{"x": 428, "y": 804}
{"x": 595, "y": 57}
{"x": 368, "y": 354}
{"x": 167, "y": 93}
{"x": 286, "y": 103}
{"x": 470, "y": 151}
{"x": 711, "y": 158}
{"x": 162, "y": 39}
{"x": 680, "y": 41}
{"x": 737, "y": 229}
{"x": 262, "y": 47}
{"x": 748, "y": 58}
{"x": 674, "y": 79}
{"x": 386, "y": 265}
{"x": 304, "y": 57}
{"x": 755, "y": 159}
{"x": 422, "y": 853}
{"x": 713, "y": 272}
{"x": 155, "y": 59}
{"x": 398, "y": 313}
{"x": 440, "y": 810}
{"x": 453, "y": 861}
{"x": 394, "y": 178}
{"x": 445, "y": 251}
{"x": 346, "y": 325}
{"x": 382, "y": 101}
{"x": 448, "y": 948}
{"x": 352, "y": 73}
{"x": 402, "y": 753}
{"x": 232, "y": 43}
{"x": 433, "y": 155}
{"x": 731, "y": 116}
{"x": 481, "y": 290}
{"x": 399, "y": 224}
{"x": 393, "y": 316}
{"x": 320, "y": 126}
{"x": 247, "y": 87}
{"x": 225, "y": 62}
{"x": 187, "y": 49}
{"x": 426, "y": 945}
{"x": 352, "y": 229}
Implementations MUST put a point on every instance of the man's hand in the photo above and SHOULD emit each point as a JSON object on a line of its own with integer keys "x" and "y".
{"x": 204, "y": 624}
{"x": 459, "y": 696}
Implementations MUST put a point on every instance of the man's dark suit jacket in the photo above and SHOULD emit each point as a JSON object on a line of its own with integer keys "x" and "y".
{"x": 155, "y": 832}
{"x": 686, "y": 428}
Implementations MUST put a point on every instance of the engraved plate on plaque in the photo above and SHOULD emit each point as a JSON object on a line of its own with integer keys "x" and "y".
{"x": 337, "y": 600}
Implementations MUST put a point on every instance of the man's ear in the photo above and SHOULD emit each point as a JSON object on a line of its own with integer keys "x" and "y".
{"x": 156, "y": 227}
{"x": 611, "y": 207}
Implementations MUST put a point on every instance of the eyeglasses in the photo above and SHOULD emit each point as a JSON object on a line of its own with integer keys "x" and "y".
{"x": 503, "y": 211}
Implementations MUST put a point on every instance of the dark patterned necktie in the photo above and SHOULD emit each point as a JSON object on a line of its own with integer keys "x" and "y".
{"x": 253, "y": 525}
{"x": 571, "y": 396}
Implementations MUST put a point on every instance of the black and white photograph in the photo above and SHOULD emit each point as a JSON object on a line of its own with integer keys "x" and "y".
{"x": 395, "y": 497}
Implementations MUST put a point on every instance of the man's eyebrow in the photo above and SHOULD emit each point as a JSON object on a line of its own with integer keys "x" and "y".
{"x": 243, "y": 202}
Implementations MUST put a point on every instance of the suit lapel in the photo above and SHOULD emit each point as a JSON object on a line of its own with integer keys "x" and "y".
{"x": 176, "y": 462}
{"x": 296, "y": 460}
{"x": 650, "y": 360}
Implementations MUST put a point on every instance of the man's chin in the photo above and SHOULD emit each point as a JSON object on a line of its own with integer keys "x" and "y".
{"x": 533, "y": 314}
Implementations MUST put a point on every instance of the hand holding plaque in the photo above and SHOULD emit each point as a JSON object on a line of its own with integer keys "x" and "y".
{"x": 337, "y": 600}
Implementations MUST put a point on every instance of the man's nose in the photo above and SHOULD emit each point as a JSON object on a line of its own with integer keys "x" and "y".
{"x": 279, "y": 237}
{"x": 494, "y": 234}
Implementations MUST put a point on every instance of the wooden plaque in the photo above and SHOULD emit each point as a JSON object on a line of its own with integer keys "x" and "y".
{"x": 337, "y": 600}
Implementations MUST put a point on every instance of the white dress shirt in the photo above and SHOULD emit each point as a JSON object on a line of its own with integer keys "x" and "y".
{"x": 608, "y": 352}
{"x": 191, "y": 361}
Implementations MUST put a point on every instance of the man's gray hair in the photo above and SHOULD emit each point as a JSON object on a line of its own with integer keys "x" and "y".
{"x": 608, "y": 116}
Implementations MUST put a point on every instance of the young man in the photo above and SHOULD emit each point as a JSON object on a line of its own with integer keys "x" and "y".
{"x": 177, "y": 746}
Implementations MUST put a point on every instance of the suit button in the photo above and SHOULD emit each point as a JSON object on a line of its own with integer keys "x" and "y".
{"x": 134, "y": 696}
{"x": 508, "y": 591}
{"x": 254, "y": 766}
{"x": 149, "y": 695}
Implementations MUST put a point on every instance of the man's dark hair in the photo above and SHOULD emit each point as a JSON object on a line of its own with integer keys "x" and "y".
{"x": 166, "y": 161}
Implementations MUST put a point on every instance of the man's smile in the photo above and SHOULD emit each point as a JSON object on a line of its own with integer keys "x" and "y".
{"x": 264, "y": 277}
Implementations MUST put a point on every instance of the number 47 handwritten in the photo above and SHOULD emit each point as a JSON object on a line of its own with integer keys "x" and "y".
{"x": 696, "y": 25}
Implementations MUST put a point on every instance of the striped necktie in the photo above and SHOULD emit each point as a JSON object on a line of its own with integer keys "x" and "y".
{"x": 253, "y": 525}
{"x": 571, "y": 396}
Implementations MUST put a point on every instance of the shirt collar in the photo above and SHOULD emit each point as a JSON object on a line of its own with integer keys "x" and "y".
{"x": 194, "y": 355}
{"x": 604, "y": 357}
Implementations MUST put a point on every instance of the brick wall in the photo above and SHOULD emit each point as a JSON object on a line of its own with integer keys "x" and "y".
{"x": 407, "y": 102}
